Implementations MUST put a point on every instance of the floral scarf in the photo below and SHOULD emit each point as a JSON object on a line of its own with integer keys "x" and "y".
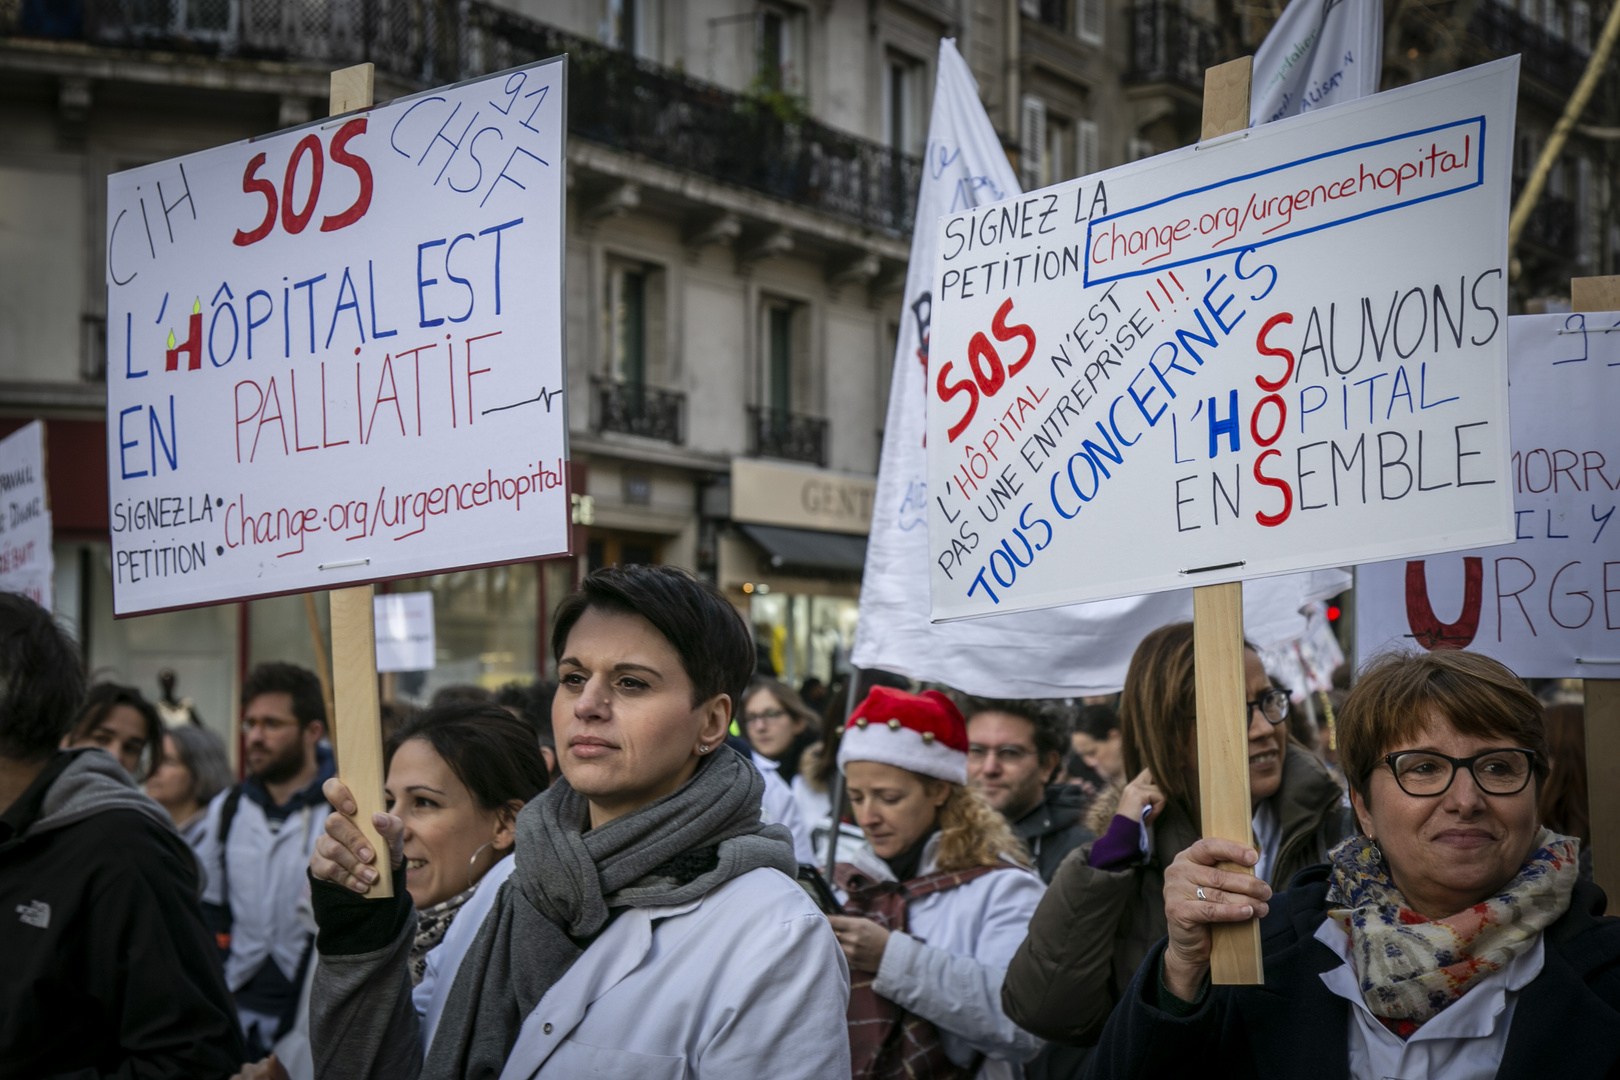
{"x": 1411, "y": 967}
{"x": 432, "y": 923}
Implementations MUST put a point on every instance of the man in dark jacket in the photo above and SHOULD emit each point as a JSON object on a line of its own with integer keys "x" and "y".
{"x": 108, "y": 968}
{"x": 1014, "y": 750}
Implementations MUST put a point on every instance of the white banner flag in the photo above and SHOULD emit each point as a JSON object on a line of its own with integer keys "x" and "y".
{"x": 1061, "y": 652}
{"x": 1319, "y": 53}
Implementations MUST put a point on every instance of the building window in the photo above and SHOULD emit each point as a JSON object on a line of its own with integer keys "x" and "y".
{"x": 1032, "y": 142}
{"x": 630, "y": 327}
{"x": 779, "y": 358}
{"x": 1087, "y": 151}
{"x": 631, "y": 399}
{"x": 902, "y": 104}
{"x": 635, "y": 318}
{"x": 1088, "y": 21}
{"x": 634, "y": 25}
{"x": 1552, "y": 19}
{"x": 1049, "y": 146}
{"x": 781, "y": 49}
{"x": 780, "y": 426}
{"x": 1058, "y": 159}
{"x": 1529, "y": 152}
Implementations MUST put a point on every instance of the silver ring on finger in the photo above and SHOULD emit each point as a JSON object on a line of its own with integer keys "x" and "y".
{"x": 1200, "y": 893}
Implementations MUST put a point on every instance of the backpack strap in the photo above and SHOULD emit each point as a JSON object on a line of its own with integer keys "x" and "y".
{"x": 221, "y": 915}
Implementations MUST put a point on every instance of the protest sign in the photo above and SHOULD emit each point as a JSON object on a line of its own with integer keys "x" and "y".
{"x": 26, "y": 561}
{"x": 336, "y": 353}
{"x": 1279, "y": 350}
{"x": 1077, "y": 650}
{"x": 405, "y": 640}
{"x": 1548, "y": 604}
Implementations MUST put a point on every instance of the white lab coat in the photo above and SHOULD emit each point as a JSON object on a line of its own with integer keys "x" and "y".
{"x": 948, "y": 969}
{"x": 269, "y": 884}
{"x": 747, "y": 981}
{"x": 779, "y": 807}
{"x": 815, "y": 807}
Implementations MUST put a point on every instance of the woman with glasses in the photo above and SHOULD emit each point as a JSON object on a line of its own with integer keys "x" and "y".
{"x": 778, "y": 727}
{"x": 1450, "y": 939}
{"x": 1105, "y": 909}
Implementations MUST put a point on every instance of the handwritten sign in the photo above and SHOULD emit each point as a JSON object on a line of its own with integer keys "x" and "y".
{"x": 26, "y": 561}
{"x": 1548, "y": 604}
{"x": 1279, "y": 350}
{"x": 336, "y": 353}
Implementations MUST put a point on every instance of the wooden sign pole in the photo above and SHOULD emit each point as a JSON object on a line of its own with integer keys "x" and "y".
{"x": 1602, "y": 695}
{"x": 1223, "y": 725}
{"x": 358, "y": 734}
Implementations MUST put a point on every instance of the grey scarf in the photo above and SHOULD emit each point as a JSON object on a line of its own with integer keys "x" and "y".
{"x": 567, "y": 879}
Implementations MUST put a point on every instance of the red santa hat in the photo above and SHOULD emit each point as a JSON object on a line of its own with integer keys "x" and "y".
{"x": 921, "y": 732}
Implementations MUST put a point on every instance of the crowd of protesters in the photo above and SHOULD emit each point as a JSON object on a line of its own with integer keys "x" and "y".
{"x": 668, "y": 863}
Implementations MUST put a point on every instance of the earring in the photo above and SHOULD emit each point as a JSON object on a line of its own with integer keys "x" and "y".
{"x": 474, "y": 860}
{"x": 703, "y": 748}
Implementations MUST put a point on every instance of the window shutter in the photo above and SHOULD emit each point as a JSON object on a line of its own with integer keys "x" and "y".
{"x": 1086, "y": 151}
{"x": 1088, "y": 20}
{"x": 1032, "y": 141}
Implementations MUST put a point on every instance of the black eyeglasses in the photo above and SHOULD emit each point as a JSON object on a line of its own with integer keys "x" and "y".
{"x": 1426, "y": 774}
{"x": 1273, "y": 705}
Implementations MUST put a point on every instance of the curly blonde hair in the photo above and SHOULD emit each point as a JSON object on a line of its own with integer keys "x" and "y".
{"x": 972, "y": 833}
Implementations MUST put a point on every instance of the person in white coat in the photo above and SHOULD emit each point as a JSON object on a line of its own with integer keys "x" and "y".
{"x": 936, "y": 905}
{"x": 255, "y": 845}
{"x": 649, "y": 924}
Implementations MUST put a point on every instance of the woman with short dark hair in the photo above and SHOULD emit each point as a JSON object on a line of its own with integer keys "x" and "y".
{"x": 1450, "y": 940}
{"x": 650, "y": 924}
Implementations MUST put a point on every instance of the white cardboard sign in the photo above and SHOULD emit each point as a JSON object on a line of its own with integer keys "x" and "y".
{"x": 26, "y": 560}
{"x": 336, "y": 352}
{"x": 1548, "y": 604}
{"x": 1280, "y": 350}
{"x": 404, "y": 628}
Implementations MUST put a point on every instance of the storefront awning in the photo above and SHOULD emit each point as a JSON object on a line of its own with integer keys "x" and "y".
{"x": 809, "y": 549}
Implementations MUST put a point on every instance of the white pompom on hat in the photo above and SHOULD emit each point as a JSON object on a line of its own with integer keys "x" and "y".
{"x": 924, "y": 733}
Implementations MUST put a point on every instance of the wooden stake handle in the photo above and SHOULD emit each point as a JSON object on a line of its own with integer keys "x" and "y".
{"x": 359, "y": 728}
{"x": 354, "y": 630}
{"x": 1223, "y": 723}
{"x": 1602, "y": 695}
{"x": 1223, "y": 762}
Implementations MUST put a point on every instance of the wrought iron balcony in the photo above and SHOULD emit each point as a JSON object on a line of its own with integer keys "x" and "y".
{"x": 1553, "y": 60}
{"x": 1169, "y": 45}
{"x": 639, "y": 409}
{"x": 613, "y": 98}
{"x": 773, "y": 433}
